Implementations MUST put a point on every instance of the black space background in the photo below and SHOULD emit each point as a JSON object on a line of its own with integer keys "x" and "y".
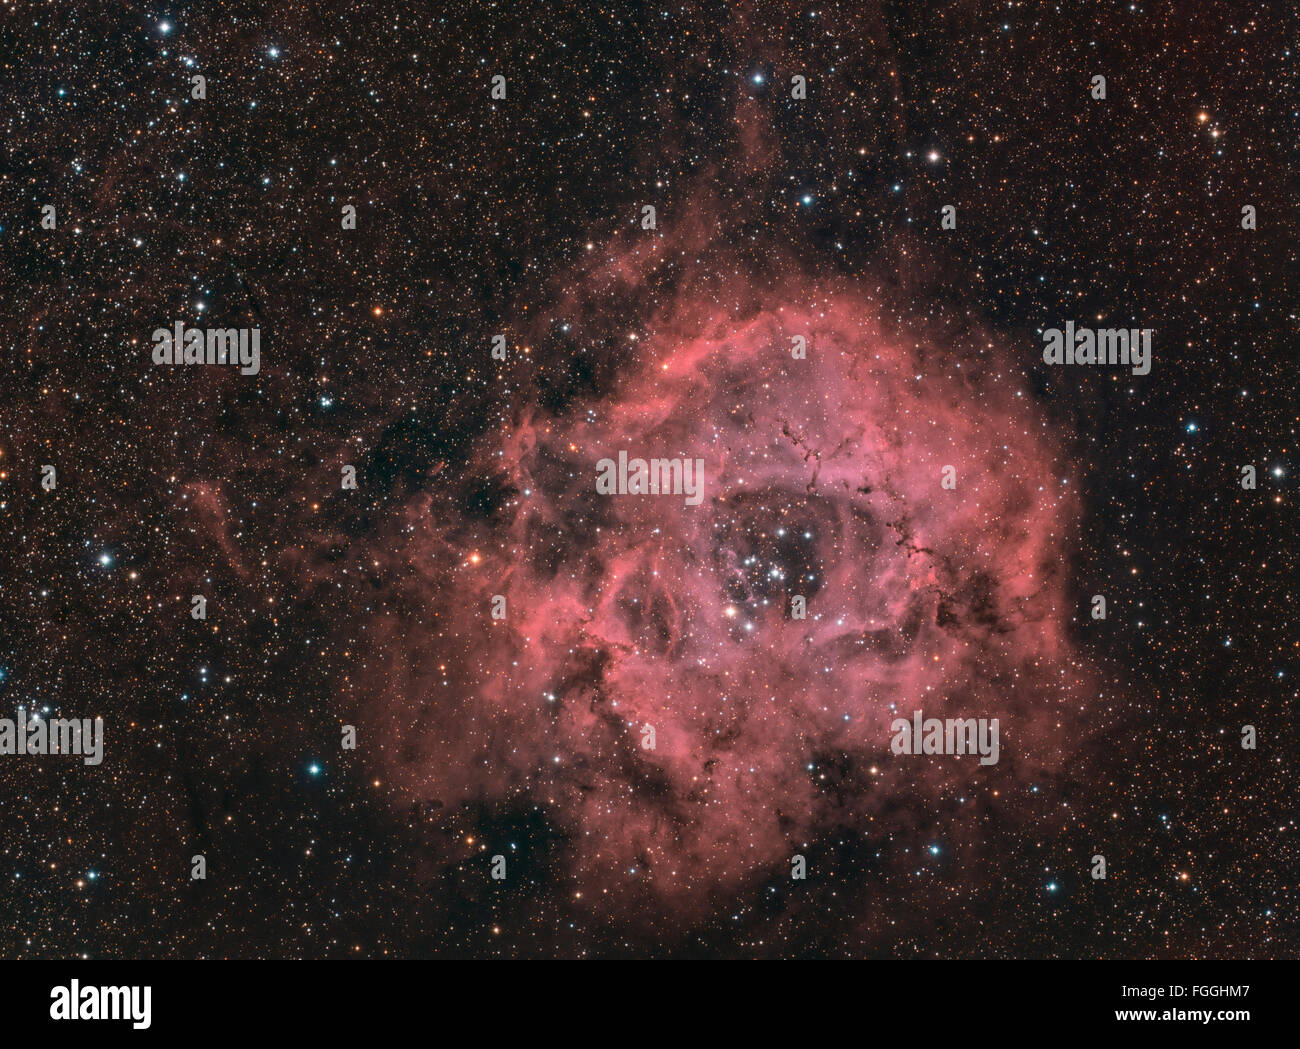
{"x": 469, "y": 211}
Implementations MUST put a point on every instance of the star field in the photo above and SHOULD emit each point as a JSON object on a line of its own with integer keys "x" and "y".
{"x": 522, "y": 737}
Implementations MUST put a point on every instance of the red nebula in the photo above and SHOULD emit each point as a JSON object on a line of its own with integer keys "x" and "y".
{"x": 822, "y": 480}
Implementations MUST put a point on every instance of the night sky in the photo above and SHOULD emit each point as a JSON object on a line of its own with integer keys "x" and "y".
{"x": 523, "y": 736}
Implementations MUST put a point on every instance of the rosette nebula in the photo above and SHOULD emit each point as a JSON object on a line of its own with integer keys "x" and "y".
{"x": 646, "y": 682}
